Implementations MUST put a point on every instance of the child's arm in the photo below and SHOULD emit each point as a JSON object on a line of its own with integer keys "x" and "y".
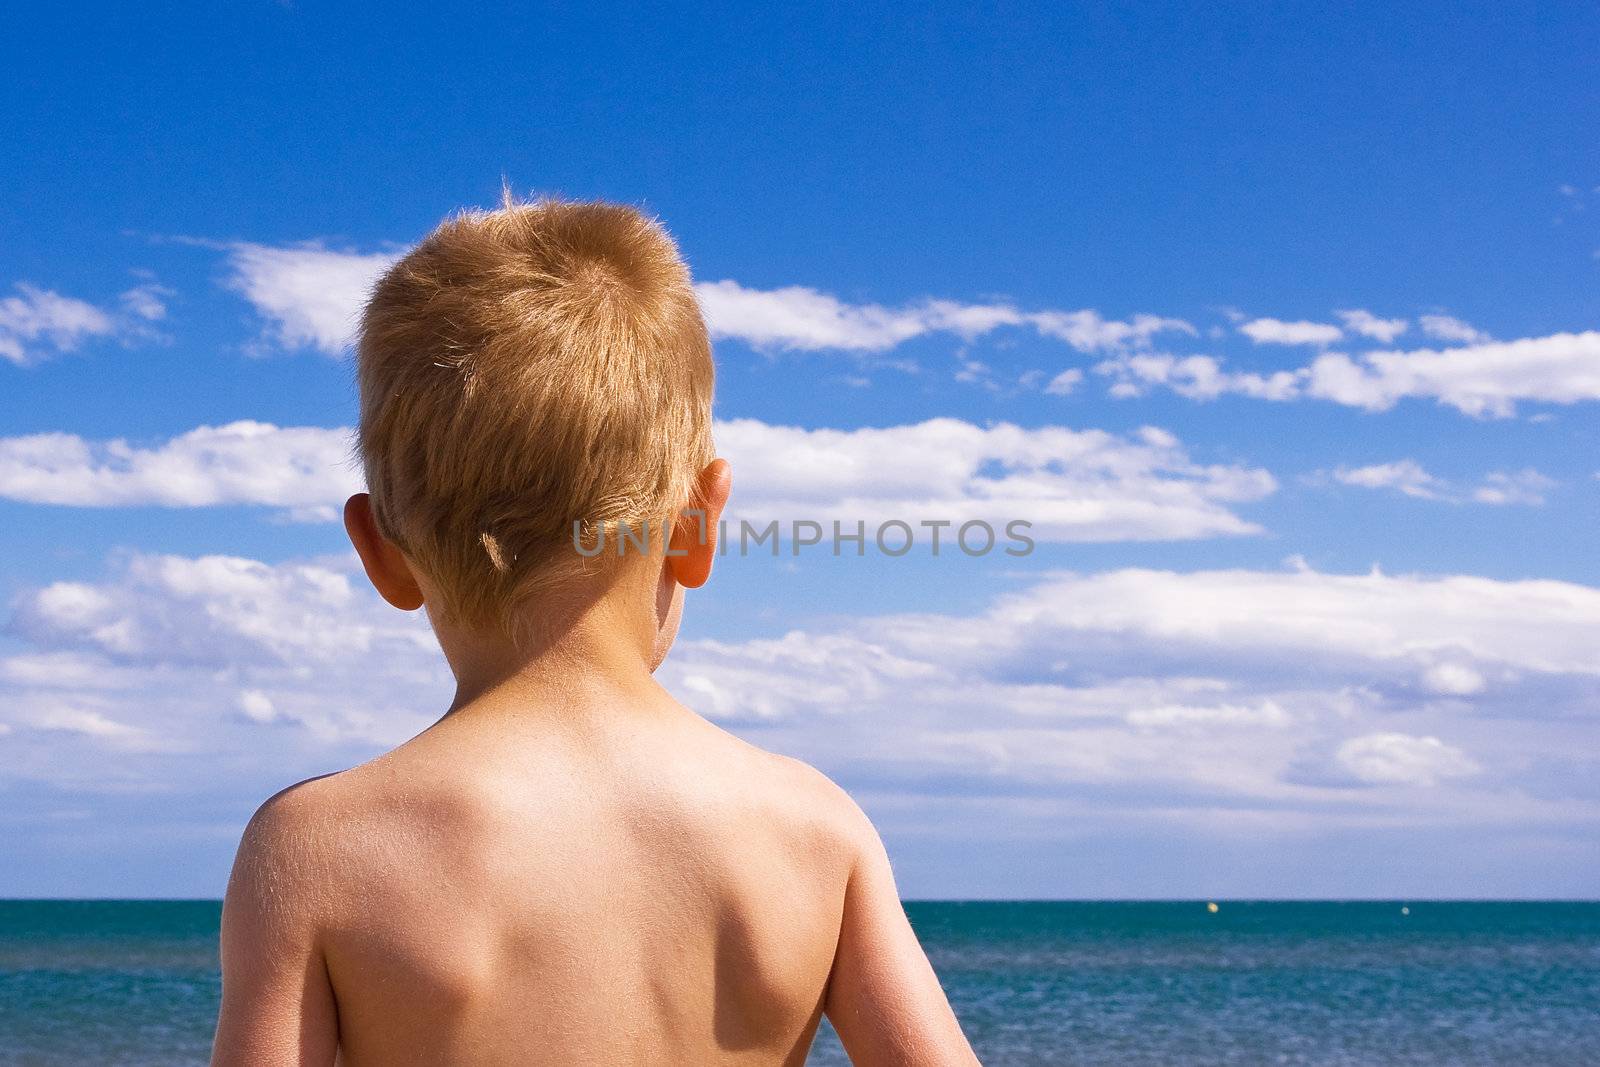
{"x": 277, "y": 1003}
{"x": 883, "y": 997}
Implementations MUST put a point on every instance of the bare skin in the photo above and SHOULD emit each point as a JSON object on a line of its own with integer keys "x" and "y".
{"x": 570, "y": 868}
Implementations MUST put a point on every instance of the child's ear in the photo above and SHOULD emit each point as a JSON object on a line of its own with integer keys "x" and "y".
{"x": 694, "y": 535}
{"x": 385, "y": 564}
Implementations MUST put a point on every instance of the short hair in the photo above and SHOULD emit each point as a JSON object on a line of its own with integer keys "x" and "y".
{"x": 522, "y": 370}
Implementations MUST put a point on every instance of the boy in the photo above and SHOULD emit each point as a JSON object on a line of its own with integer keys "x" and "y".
{"x": 569, "y": 867}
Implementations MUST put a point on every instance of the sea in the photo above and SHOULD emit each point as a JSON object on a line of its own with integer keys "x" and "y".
{"x": 1177, "y": 984}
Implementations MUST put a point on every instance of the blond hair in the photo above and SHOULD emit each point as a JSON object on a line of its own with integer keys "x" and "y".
{"x": 522, "y": 370}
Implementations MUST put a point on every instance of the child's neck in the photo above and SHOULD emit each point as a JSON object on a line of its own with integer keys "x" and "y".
{"x": 591, "y": 653}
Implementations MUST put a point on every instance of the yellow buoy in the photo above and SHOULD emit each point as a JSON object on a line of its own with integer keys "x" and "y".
{"x": 1212, "y": 907}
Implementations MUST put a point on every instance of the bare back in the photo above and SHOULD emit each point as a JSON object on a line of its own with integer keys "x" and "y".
{"x": 663, "y": 892}
{"x": 639, "y": 887}
{"x": 585, "y": 904}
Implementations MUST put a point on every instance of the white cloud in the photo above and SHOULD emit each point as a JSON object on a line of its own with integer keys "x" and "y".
{"x": 310, "y": 296}
{"x": 799, "y": 318}
{"x": 189, "y": 651}
{"x": 1367, "y": 324}
{"x": 1449, "y": 328}
{"x": 1267, "y": 713}
{"x": 81, "y": 721}
{"x": 257, "y": 706}
{"x": 1513, "y": 487}
{"x": 1196, "y": 377}
{"x": 211, "y": 609}
{"x": 1278, "y": 332}
{"x": 1406, "y": 475}
{"x": 1087, "y": 331}
{"x": 1486, "y": 379}
{"x": 239, "y": 463}
{"x": 977, "y": 372}
{"x": 1065, "y": 382}
{"x": 34, "y": 315}
{"x": 1453, "y": 679}
{"x": 1282, "y": 687}
{"x": 1408, "y": 622}
{"x": 147, "y": 301}
{"x": 1074, "y": 485}
{"x": 1137, "y": 692}
{"x": 36, "y": 324}
{"x": 804, "y": 319}
{"x": 1399, "y": 759}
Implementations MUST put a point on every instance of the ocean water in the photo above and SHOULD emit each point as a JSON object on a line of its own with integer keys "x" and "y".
{"x": 1332, "y": 984}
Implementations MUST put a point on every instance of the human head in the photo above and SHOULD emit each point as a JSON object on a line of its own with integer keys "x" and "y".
{"x": 522, "y": 370}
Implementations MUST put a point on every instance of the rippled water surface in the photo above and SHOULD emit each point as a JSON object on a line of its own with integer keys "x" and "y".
{"x": 1331, "y": 984}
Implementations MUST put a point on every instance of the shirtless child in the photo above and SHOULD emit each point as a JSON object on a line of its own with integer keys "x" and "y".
{"x": 570, "y": 867}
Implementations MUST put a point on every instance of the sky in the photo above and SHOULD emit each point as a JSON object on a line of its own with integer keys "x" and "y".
{"x": 1280, "y": 325}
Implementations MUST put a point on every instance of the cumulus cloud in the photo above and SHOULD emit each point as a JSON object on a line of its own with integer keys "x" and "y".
{"x": 1065, "y": 382}
{"x": 1367, "y": 324}
{"x": 1400, "y": 759}
{"x": 238, "y": 463}
{"x": 1278, "y": 332}
{"x": 1526, "y": 486}
{"x": 1409, "y": 477}
{"x": 1087, "y": 331}
{"x": 1196, "y": 377}
{"x": 147, "y": 301}
{"x": 190, "y": 649}
{"x": 257, "y": 706}
{"x": 310, "y": 296}
{"x": 1479, "y": 376}
{"x": 214, "y": 610}
{"x": 1453, "y": 679}
{"x": 804, "y": 319}
{"x": 1486, "y": 380}
{"x": 799, "y": 318}
{"x": 55, "y": 716}
{"x": 36, "y": 323}
{"x": 1406, "y": 476}
{"x": 1295, "y": 691}
{"x": 1073, "y": 485}
{"x": 1450, "y": 328}
{"x": 1281, "y": 690}
{"x": 1407, "y": 623}
{"x": 1199, "y": 707}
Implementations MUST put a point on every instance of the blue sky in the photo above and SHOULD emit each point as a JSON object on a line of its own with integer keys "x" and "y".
{"x": 1279, "y": 323}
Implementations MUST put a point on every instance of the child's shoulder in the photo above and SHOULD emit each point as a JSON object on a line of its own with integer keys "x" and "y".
{"x": 279, "y": 870}
{"x": 348, "y": 827}
{"x": 289, "y": 818}
{"x": 291, "y": 830}
{"x": 321, "y": 821}
{"x": 801, "y": 797}
{"x": 314, "y": 848}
